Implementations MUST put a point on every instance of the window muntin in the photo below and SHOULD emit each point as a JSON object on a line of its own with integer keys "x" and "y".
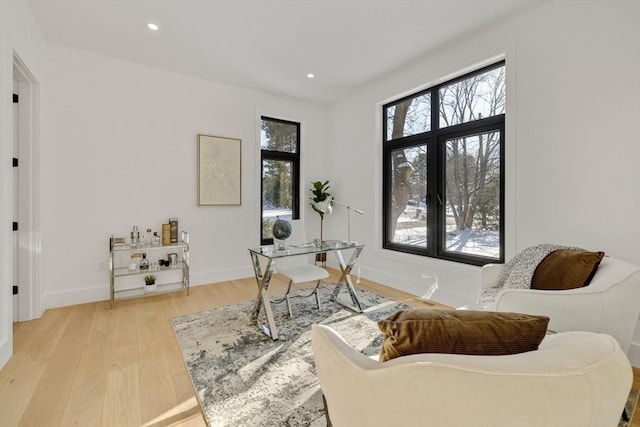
{"x": 280, "y": 171}
{"x": 459, "y": 172}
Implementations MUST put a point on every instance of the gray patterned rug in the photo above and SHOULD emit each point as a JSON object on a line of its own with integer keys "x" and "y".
{"x": 630, "y": 408}
{"x": 243, "y": 378}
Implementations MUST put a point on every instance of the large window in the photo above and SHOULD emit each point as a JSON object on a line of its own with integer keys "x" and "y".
{"x": 280, "y": 160}
{"x": 443, "y": 172}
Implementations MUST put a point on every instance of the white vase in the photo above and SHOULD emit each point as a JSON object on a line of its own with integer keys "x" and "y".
{"x": 150, "y": 288}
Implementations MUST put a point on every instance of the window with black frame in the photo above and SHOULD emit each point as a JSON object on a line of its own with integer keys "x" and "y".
{"x": 443, "y": 174}
{"x": 280, "y": 164}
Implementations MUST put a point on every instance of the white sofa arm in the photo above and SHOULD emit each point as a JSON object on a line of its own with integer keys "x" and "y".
{"x": 557, "y": 305}
{"x": 489, "y": 275}
{"x": 610, "y": 308}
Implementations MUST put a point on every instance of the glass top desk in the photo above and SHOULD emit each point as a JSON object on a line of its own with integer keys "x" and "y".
{"x": 263, "y": 259}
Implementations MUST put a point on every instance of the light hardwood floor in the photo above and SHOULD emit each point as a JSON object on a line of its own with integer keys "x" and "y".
{"x": 89, "y": 365}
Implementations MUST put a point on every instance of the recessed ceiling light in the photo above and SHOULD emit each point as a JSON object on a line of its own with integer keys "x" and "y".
{"x": 152, "y": 26}
{"x": 310, "y": 75}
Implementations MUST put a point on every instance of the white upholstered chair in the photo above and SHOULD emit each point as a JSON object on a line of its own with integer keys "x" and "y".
{"x": 609, "y": 304}
{"x": 297, "y": 269}
{"x": 574, "y": 379}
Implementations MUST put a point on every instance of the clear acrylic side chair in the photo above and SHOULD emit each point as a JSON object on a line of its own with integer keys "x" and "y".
{"x": 297, "y": 271}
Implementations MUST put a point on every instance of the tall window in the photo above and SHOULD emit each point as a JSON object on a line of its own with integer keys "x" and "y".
{"x": 443, "y": 172}
{"x": 280, "y": 158}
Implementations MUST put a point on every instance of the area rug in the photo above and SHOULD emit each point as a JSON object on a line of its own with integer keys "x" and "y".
{"x": 630, "y": 408}
{"x": 243, "y": 378}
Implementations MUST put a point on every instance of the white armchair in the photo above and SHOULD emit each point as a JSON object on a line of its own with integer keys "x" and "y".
{"x": 609, "y": 304}
{"x": 574, "y": 379}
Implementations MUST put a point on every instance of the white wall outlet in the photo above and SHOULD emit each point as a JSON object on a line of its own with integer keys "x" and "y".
{"x": 101, "y": 265}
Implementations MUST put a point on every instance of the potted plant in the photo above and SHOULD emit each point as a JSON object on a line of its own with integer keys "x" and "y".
{"x": 321, "y": 203}
{"x": 320, "y": 194}
{"x": 150, "y": 283}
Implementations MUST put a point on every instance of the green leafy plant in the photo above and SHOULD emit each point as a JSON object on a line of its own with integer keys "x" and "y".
{"x": 320, "y": 194}
{"x": 150, "y": 279}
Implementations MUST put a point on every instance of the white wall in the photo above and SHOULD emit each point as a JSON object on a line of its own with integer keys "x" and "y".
{"x": 573, "y": 151}
{"x": 119, "y": 148}
{"x": 19, "y": 35}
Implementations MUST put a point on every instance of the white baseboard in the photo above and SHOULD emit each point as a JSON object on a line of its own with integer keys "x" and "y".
{"x": 437, "y": 294}
{"x": 74, "y": 296}
{"x": 204, "y": 278}
{"x": 101, "y": 292}
{"x": 6, "y": 350}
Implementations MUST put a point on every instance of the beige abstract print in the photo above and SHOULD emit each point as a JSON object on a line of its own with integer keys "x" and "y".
{"x": 218, "y": 171}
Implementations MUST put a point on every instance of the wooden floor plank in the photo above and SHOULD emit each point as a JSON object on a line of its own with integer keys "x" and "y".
{"x": 50, "y": 397}
{"x": 17, "y": 393}
{"x": 123, "y": 351}
{"x": 23, "y": 335}
{"x": 122, "y": 397}
{"x": 86, "y": 399}
{"x": 157, "y": 391}
{"x": 32, "y": 351}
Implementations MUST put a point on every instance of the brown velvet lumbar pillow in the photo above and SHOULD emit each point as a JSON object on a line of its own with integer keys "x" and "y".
{"x": 460, "y": 332}
{"x": 566, "y": 269}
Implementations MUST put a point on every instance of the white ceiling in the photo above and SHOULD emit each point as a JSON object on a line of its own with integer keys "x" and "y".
{"x": 271, "y": 45}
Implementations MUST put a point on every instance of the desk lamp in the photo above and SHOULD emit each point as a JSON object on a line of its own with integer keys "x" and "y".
{"x": 349, "y": 208}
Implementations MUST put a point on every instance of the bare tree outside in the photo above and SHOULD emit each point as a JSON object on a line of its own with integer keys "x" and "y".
{"x": 471, "y": 170}
{"x": 473, "y": 194}
{"x": 406, "y": 118}
{"x": 473, "y": 163}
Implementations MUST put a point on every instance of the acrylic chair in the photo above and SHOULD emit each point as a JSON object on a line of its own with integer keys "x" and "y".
{"x": 296, "y": 271}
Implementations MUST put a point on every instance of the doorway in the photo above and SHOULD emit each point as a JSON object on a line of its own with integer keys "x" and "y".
{"x": 26, "y": 246}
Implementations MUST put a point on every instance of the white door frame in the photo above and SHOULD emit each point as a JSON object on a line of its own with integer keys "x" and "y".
{"x": 29, "y": 239}
{"x": 29, "y": 192}
{"x": 15, "y": 278}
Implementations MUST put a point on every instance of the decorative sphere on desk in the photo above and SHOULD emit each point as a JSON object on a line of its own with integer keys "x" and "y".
{"x": 281, "y": 229}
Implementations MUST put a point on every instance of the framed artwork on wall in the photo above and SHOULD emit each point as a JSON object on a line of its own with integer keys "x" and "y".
{"x": 219, "y": 171}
